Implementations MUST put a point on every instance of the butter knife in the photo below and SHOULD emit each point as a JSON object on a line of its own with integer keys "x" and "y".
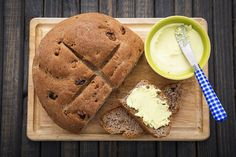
{"x": 213, "y": 102}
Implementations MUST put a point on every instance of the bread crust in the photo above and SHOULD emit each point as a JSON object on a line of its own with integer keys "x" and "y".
{"x": 158, "y": 133}
{"x": 124, "y": 124}
{"x": 78, "y": 64}
{"x": 172, "y": 92}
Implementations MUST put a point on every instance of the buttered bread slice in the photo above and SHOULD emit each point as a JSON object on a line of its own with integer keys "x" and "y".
{"x": 150, "y": 107}
{"x": 119, "y": 121}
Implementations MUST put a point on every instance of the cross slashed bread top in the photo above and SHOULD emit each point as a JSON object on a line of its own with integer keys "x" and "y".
{"x": 78, "y": 64}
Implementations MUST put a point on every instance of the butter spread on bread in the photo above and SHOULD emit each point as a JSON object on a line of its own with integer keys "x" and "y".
{"x": 149, "y": 106}
{"x": 119, "y": 121}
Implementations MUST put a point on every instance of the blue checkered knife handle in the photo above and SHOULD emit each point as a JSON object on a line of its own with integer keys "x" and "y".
{"x": 214, "y": 104}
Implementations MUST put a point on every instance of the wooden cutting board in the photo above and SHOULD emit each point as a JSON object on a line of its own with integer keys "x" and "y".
{"x": 190, "y": 123}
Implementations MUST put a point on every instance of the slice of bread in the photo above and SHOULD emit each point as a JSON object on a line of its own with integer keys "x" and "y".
{"x": 110, "y": 121}
{"x": 118, "y": 121}
{"x": 173, "y": 94}
{"x": 161, "y": 131}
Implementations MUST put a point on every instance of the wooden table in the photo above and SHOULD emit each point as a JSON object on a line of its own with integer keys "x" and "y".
{"x": 14, "y": 24}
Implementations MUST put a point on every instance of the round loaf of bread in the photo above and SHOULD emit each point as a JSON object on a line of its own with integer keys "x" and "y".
{"x": 78, "y": 64}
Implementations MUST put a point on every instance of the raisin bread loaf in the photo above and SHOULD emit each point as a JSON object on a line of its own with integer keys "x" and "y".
{"x": 79, "y": 63}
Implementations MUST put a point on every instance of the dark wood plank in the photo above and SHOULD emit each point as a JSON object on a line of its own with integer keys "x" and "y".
{"x": 1, "y": 56}
{"x": 33, "y": 8}
{"x": 52, "y": 8}
{"x": 186, "y": 149}
{"x": 224, "y": 75}
{"x": 71, "y": 7}
{"x": 88, "y": 149}
{"x": 28, "y": 148}
{"x": 108, "y": 149}
{"x": 144, "y": 8}
{"x": 108, "y": 7}
{"x": 183, "y": 7}
{"x": 166, "y": 149}
{"x": 164, "y": 8}
{"x": 202, "y": 8}
{"x": 12, "y": 81}
{"x": 69, "y": 149}
{"x": 146, "y": 149}
{"x": 126, "y": 8}
{"x": 127, "y": 149}
{"x": 49, "y": 149}
{"x": 89, "y": 6}
{"x": 234, "y": 39}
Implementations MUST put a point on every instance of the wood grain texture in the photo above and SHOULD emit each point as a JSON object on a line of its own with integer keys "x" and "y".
{"x": 49, "y": 149}
{"x": 108, "y": 149}
{"x": 126, "y": 8}
{"x": 1, "y": 56}
{"x": 32, "y": 8}
{"x": 52, "y": 8}
{"x": 89, "y": 6}
{"x": 186, "y": 149}
{"x": 144, "y": 8}
{"x": 127, "y": 149}
{"x": 224, "y": 75}
{"x": 146, "y": 149}
{"x": 222, "y": 31}
{"x": 164, "y": 8}
{"x": 28, "y": 148}
{"x": 234, "y": 43}
{"x": 166, "y": 149}
{"x": 71, "y": 7}
{"x": 183, "y": 7}
{"x": 69, "y": 149}
{"x": 108, "y": 7}
{"x": 12, "y": 79}
{"x": 88, "y": 149}
{"x": 202, "y": 8}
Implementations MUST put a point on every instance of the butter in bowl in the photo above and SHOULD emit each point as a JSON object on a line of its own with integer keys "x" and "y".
{"x": 163, "y": 53}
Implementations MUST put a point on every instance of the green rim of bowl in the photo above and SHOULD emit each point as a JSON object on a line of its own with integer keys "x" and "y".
{"x": 185, "y": 20}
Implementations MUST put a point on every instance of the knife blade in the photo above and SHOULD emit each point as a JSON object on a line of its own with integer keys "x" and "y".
{"x": 184, "y": 44}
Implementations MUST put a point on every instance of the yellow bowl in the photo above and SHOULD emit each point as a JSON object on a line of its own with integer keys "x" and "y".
{"x": 185, "y": 20}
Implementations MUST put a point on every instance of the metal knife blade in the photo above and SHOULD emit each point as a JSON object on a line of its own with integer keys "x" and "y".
{"x": 182, "y": 39}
